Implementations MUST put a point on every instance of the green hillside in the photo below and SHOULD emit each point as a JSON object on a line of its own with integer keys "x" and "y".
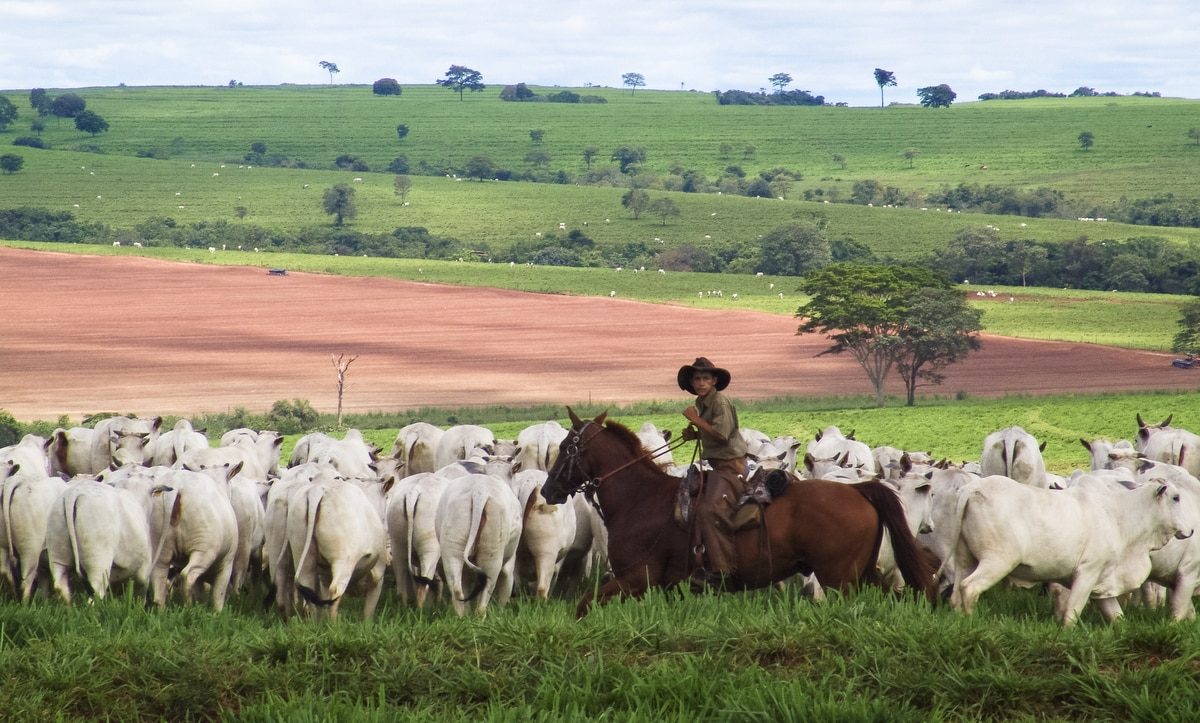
{"x": 192, "y": 133}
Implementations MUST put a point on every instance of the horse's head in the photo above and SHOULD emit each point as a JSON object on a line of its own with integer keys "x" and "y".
{"x": 572, "y": 470}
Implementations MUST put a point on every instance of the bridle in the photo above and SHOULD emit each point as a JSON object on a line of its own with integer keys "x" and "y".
{"x": 591, "y": 483}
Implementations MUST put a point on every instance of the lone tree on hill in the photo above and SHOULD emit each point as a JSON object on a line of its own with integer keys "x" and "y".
{"x": 882, "y": 316}
{"x": 67, "y": 105}
{"x": 1187, "y": 339}
{"x": 8, "y": 112}
{"x": 90, "y": 122}
{"x": 633, "y": 81}
{"x": 664, "y": 208}
{"x": 40, "y": 101}
{"x": 341, "y": 364}
{"x": 402, "y": 185}
{"x": 636, "y": 200}
{"x": 1086, "y": 140}
{"x": 884, "y": 78}
{"x": 794, "y": 249}
{"x": 1194, "y": 134}
{"x": 780, "y": 81}
{"x": 11, "y": 163}
{"x": 402, "y": 131}
{"x": 909, "y": 154}
{"x": 330, "y": 68}
{"x": 589, "y": 153}
{"x": 936, "y": 96}
{"x": 339, "y": 202}
{"x": 460, "y": 78}
{"x": 387, "y": 86}
{"x": 481, "y": 167}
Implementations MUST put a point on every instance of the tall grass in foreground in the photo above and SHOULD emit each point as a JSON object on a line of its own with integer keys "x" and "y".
{"x": 671, "y": 656}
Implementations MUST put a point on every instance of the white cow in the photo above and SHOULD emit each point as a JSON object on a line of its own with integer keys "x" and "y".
{"x": 1164, "y": 443}
{"x": 478, "y": 529}
{"x": 831, "y": 444}
{"x": 338, "y": 544}
{"x": 653, "y": 440}
{"x": 458, "y": 442}
{"x": 351, "y": 455}
{"x": 25, "y": 504}
{"x": 412, "y": 506}
{"x": 588, "y": 551}
{"x": 1012, "y": 452}
{"x": 166, "y": 449}
{"x": 193, "y": 524}
{"x": 244, "y": 496}
{"x": 281, "y": 569}
{"x": 1093, "y": 542}
{"x": 31, "y": 455}
{"x": 266, "y": 442}
{"x": 100, "y": 534}
{"x": 1106, "y": 454}
{"x": 547, "y": 533}
{"x": 82, "y": 450}
{"x": 537, "y": 446}
{"x": 416, "y": 447}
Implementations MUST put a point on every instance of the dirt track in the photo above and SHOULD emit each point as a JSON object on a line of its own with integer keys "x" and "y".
{"x": 83, "y": 334}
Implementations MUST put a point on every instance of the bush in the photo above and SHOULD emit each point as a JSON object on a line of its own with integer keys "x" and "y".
{"x": 564, "y": 96}
{"x": 399, "y": 164}
{"x": 518, "y": 92}
{"x": 10, "y": 430}
{"x": 292, "y": 418}
{"x": 29, "y": 141}
{"x": 386, "y": 86}
{"x": 350, "y": 163}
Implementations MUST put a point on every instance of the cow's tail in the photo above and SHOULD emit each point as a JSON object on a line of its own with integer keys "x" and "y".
{"x": 73, "y": 536}
{"x": 312, "y": 513}
{"x": 412, "y": 501}
{"x": 13, "y": 559}
{"x": 479, "y": 517}
{"x": 913, "y": 564}
{"x": 955, "y": 530}
{"x": 170, "y": 509}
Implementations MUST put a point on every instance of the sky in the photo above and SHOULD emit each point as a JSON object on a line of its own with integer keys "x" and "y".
{"x": 829, "y": 47}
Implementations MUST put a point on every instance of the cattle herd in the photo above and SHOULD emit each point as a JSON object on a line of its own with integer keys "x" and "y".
{"x": 456, "y": 513}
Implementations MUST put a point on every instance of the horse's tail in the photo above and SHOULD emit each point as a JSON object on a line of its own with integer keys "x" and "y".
{"x": 913, "y": 564}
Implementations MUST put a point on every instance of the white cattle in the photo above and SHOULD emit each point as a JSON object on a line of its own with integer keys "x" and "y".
{"x": 588, "y": 551}
{"x": 351, "y": 455}
{"x": 416, "y": 447}
{"x": 537, "y": 446}
{"x": 338, "y": 544}
{"x": 653, "y": 440}
{"x": 254, "y": 456}
{"x": 31, "y": 456}
{"x": 244, "y": 496}
{"x": 281, "y": 569}
{"x": 169, "y": 446}
{"x": 478, "y": 529}
{"x": 547, "y": 533}
{"x": 1164, "y": 443}
{"x": 81, "y": 450}
{"x": 100, "y": 534}
{"x": 831, "y": 444}
{"x": 1093, "y": 542}
{"x": 459, "y": 441}
{"x": 266, "y": 442}
{"x": 1014, "y": 453}
{"x": 1106, "y": 454}
{"x": 193, "y": 524}
{"x": 937, "y": 507}
{"x": 412, "y": 506}
{"x": 25, "y": 504}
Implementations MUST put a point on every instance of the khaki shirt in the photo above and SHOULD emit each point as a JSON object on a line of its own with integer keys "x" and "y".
{"x": 717, "y": 410}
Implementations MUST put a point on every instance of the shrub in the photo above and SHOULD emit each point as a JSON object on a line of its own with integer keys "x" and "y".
{"x": 386, "y": 86}
{"x": 350, "y": 163}
{"x": 399, "y": 164}
{"x": 29, "y": 141}
{"x": 292, "y": 418}
{"x": 10, "y": 429}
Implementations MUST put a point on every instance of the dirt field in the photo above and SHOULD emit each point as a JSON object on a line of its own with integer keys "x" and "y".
{"x": 84, "y": 334}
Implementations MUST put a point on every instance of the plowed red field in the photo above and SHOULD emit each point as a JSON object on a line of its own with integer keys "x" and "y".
{"x": 83, "y": 334}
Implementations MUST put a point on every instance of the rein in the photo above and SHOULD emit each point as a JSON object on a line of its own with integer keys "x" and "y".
{"x": 591, "y": 484}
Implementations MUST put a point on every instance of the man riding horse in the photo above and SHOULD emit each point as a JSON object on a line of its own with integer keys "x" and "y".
{"x": 714, "y": 422}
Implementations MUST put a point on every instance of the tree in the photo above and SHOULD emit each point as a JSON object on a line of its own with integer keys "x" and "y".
{"x": 402, "y": 131}
{"x": 460, "y": 78}
{"x": 939, "y": 329}
{"x": 636, "y": 200}
{"x": 1187, "y": 339}
{"x": 863, "y": 310}
{"x": 780, "y": 81}
{"x": 330, "y": 68}
{"x": 936, "y": 96}
{"x": 90, "y": 122}
{"x": 481, "y": 167}
{"x": 1194, "y": 134}
{"x": 240, "y": 212}
{"x": 884, "y": 78}
{"x": 633, "y": 81}
{"x": 339, "y": 201}
{"x": 11, "y": 163}
{"x": 37, "y": 126}
{"x": 342, "y": 365}
{"x": 589, "y": 153}
{"x": 794, "y": 249}
{"x": 67, "y": 105}
{"x": 387, "y": 86}
{"x": 537, "y": 157}
{"x": 40, "y": 101}
{"x": 8, "y": 112}
{"x": 1086, "y": 140}
{"x": 839, "y": 159}
{"x": 629, "y": 157}
{"x": 536, "y": 135}
{"x": 402, "y": 185}
{"x": 664, "y": 208}
{"x": 909, "y": 154}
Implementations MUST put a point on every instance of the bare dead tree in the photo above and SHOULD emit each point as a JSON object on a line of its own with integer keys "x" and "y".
{"x": 341, "y": 364}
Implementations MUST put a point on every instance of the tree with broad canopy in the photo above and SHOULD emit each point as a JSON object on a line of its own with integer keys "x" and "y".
{"x": 884, "y": 78}
{"x": 460, "y": 78}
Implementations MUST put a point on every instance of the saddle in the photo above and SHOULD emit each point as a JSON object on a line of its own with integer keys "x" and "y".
{"x": 762, "y": 488}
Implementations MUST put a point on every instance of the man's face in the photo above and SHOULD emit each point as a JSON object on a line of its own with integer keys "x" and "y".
{"x": 703, "y": 382}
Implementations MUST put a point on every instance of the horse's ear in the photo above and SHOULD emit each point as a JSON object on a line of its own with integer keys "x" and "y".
{"x": 600, "y": 417}
{"x": 575, "y": 420}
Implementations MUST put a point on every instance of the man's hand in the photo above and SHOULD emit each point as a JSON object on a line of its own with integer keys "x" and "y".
{"x": 692, "y": 414}
{"x": 689, "y": 433}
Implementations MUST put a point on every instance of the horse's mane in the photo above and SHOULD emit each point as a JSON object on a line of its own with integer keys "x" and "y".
{"x": 630, "y": 440}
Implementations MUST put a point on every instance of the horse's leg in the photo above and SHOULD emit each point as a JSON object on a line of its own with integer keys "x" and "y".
{"x": 617, "y": 587}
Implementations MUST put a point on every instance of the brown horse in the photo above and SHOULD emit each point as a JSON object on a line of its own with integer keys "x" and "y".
{"x": 816, "y": 526}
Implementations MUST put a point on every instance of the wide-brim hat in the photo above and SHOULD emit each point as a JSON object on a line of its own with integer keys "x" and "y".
{"x": 702, "y": 364}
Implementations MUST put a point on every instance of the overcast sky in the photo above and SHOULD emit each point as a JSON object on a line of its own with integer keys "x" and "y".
{"x": 829, "y": 47}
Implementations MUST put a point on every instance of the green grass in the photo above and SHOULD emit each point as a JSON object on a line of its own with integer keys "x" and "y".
{"x": 1141, "y": 150}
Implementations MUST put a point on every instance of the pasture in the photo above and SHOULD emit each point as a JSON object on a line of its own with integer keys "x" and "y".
{"x": 194, "y": 133}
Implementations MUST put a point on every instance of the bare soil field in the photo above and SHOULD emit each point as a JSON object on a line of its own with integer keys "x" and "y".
{"x": 84, "y": 334}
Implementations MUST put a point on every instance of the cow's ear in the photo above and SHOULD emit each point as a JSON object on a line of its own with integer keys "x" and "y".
{"x": 809, "y": 461}
{"x": 851, "y": 435}
{"x": 905, "y": 463}
{"x": 1160, "y": 491}
{"x": 1042, "y": 447}
{"x": 1140, "y": 421}
{"x": 818, "y": 435}
{"x": 155, "y": 424}
{"x": 666, "y": 435}
{"x": 929, "y": 475}
{"x": 1086, "y": 445}
{"x": 234, "y": 471}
